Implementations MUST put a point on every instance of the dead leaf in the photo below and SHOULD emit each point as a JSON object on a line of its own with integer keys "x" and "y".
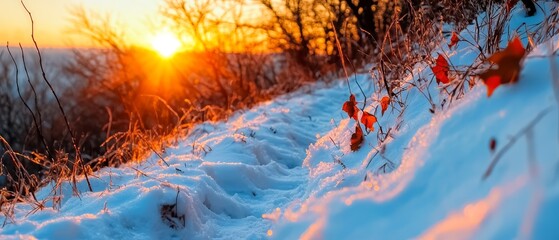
{"x": 356, "y": 138}
{"x": 508, "y": 66}
{"x": 441, "y": 70}
{"x": 492, "y": 144}
{"x": 492, "y": 82}
{"x": 511, "y": 55}
{"x": 350, "y": 107}
{"x": 384, "y": 102}
{"x": 510, "y": 4}
{"x": 453, "y": 40}
{"x": 368, "y": 120}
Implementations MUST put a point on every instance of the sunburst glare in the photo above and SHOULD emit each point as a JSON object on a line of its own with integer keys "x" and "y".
{"x": 165, "y": 43}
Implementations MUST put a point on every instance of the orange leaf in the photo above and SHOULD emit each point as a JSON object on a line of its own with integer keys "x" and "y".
{"x": 368, "y": 120}
{"x": 453, "y": 40}
{"x": 508, "y": 66}
{"x": 350, "y": 107}
{"x": 384, "y": 102}
{"x": 512, "y": 55}
{"x": 356, "y": 138}
{"x": 441, "y": 70}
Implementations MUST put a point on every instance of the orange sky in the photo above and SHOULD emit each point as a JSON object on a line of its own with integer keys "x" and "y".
{"x": 52, "y": 20}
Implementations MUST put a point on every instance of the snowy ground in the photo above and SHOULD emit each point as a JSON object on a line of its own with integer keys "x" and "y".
{"x": 285, "y": 170}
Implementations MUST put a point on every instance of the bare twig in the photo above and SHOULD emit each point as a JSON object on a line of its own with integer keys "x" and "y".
{"x": 73, "y": 138}
{"x": 340, "y": 51}
{"x": 513, "y": 140}
{"x": 36, "y": 120}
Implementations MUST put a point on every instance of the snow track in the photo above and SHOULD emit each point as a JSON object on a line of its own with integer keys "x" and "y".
{"x": 223, "y": 178}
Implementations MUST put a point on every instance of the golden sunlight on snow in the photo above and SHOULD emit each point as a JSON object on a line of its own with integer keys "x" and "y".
{"x": 465, "y": 222}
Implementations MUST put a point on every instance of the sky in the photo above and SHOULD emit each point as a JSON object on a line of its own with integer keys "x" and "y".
{"x": 53, "y": 25}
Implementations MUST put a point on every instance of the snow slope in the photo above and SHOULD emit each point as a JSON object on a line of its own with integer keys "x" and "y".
{"x": 284, "y": 170}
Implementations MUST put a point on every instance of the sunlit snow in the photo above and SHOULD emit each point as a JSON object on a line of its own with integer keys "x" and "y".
{"x": 284, "y": 170}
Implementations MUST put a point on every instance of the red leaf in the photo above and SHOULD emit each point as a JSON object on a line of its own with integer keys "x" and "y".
{"x": 441, "y": 70}
{"x": 384, "y": 102}
{"x": 368, "y": 120}
{"x": 508, "y": 66}
{"x": 492, "y": 83}
{"x": 510, "y": 4}
{"x": 356, "y": 138}
{"x": 513, "y": 54}
{"x": 350, "y": 107}
{"x": 492, "y": 144}
{"x": 453, "y": 40}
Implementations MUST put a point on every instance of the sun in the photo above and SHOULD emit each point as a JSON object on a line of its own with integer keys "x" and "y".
{"x": 165, "y": 44}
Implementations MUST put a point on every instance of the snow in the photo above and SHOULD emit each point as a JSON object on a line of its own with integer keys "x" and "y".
{"x": 284, "y": 169}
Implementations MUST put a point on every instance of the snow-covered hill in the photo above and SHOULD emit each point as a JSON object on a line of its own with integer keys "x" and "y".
{"x": 285, "y": 169}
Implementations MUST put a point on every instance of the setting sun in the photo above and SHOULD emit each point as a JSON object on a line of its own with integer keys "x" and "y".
{"x": 165, "y": 44}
